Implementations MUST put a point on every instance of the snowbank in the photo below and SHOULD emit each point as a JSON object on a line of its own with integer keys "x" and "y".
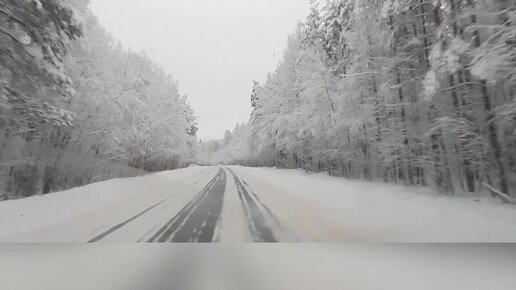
{"x": 323, "y": 208}
{"x": 92, "y": 205}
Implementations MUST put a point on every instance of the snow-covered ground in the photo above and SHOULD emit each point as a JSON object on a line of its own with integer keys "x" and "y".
{"x": 77, "y": 214}
{"x": 258, "y": 204}
{"x": 322, "y": 208}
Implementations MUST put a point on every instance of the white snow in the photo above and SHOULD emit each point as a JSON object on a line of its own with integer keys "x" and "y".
{"x": 76, "y": 214}
{"x": 233, "y": 227}
{"x": 323, "y": 208}
{"x": 310, "y": 208}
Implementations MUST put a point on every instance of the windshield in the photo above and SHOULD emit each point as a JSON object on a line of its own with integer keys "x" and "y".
{"x": 284, "y": 133}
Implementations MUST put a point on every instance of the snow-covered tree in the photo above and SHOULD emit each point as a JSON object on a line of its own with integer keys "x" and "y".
{"x": 72, "y": 97}
{"x": 409, "y": 91}
{"x": 34, "y": 38}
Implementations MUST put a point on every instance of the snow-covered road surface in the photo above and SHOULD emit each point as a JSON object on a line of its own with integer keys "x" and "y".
{"x": 239, "y": 204}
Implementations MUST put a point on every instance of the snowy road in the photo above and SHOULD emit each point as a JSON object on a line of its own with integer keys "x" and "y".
{"x": 239, "y": 204}
{"x": 211, "y": 204}
{"x": 201, "y": 219}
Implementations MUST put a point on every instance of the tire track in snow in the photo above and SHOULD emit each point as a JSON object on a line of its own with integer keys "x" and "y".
{"x": 124, "y": 223}
{"x": 197, "y": 221}
{"x": 258, "y": 221}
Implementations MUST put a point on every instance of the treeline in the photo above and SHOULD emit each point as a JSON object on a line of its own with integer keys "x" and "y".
{"x": 75, "y": 107}
{"x": 417, "y": 92}
{"x": 233, "y": 149}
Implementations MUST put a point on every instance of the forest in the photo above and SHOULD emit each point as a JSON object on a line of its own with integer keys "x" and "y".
{"x": 413, "y": 92}
{"x": 76, "y": 107}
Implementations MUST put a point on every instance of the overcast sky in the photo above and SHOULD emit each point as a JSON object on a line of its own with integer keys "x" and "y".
{"x": 214, "y": 49}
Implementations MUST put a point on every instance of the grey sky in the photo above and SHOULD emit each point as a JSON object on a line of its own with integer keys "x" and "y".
{"x": 214, "y": 49}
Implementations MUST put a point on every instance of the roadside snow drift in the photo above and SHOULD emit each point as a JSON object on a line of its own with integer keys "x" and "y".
{"x": 74, "y": 214}
{"x": 322, "y": 208}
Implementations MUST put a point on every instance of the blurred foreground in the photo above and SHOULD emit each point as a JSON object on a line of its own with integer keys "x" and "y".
{"x": 270, "y": 267}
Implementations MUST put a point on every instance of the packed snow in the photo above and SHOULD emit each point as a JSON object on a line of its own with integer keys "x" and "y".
{"x": 309, "y": 208}
{"x": 323, "y": 208}
{"x": 74, "y": 214}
